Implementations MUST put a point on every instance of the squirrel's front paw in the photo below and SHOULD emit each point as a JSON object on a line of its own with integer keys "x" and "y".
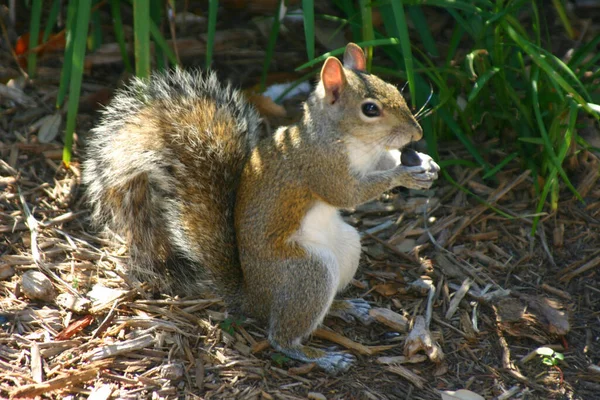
{"x": 419, "y": 175}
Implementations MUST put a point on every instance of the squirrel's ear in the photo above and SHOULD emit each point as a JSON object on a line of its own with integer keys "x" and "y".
{"x": 354, "y": 58}
{"x": 333, "y": 78}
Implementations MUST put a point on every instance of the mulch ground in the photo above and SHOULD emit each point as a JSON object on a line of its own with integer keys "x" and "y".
{"x": 463, "y": 292}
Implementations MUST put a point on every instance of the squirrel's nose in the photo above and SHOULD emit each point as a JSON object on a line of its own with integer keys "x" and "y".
{"x": 418, "y": 132}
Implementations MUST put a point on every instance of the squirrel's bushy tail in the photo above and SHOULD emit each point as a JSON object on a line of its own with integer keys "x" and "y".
{"x": 162, "y": 169}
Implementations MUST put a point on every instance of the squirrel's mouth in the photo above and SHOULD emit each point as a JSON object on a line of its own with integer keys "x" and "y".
{"x": 397, "y": 141}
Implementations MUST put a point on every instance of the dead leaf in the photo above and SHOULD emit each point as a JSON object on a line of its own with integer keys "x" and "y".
{"x": 49, "y": 127}
{"x": 75, "y": 328}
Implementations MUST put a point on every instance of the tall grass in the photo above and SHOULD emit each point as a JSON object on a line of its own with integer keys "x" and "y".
{"x": 509, "y": 86}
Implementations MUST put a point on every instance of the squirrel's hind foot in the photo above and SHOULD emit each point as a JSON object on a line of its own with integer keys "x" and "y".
{"x": 333, "y": 362}
{"x": 350, "y": 310}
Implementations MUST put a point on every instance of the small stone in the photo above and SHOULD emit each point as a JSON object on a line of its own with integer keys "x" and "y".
{"x": 37, "y": 286}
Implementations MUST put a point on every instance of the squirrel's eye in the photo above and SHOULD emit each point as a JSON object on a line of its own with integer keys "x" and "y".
{"x": 371, "y": 110}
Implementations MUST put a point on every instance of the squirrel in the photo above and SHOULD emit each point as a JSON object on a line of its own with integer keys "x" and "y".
{"x": 179, "y": 166}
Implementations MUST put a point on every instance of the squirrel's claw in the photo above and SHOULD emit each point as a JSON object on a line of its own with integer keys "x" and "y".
{"x": 334, "y": 362}
{"x": 352, "y": 309}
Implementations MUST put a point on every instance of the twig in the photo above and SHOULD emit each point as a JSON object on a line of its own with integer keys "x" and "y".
{"x": 33, "y": 225}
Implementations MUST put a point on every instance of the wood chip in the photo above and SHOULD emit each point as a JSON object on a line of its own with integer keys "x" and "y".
{"x": 121, "y": 347}
{"x": 74, "y": 378}
{"x": 408, "y": 375}
{"x": 349, "y": 344}
{"x": 397, "y": 322}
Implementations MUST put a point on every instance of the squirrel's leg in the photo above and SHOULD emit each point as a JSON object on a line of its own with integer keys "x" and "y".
{"x": 299, "y": 307}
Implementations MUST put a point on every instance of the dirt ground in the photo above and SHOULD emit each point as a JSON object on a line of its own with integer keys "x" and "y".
{"x": 461, "y": 287}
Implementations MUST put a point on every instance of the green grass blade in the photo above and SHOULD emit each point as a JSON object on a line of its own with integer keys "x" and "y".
{"x": 95, "y": 39}
{"x": 83, "y": 17}
{"x": 564, "y": 18}
{"x": 480, "y": 83}
{"x": 581, "y": 53}
{"x": 398, "y": 9}
{"x": 115, "y": 11}
{"x": 347, "y": 6}
{"x": 501, "y": 164}
{"x": 294, "y": 85}
{"x": 51, "y": 21}
{"x": 271, "y": 46}
{"x": 467, "y": 6}
{"x": 551, "y": 180}
{"x": 213, "y": 6}
{"x": 34, "y": 33}
{"x": 455, "y": 40}
{"x": 366, "y": 13}
{"x": 339, "y": 51}
{"x": 537, "y": 55}
{"x": 557, "y": 164}
{"x": 65, "y": 72}
{"x": 421, "y": 25}
{"x": 156, "y": 11}
{"x": 308, "y": 8}
{"x": 161, "y": 43}
{"x": 141, "y": 34}
{"x": 447, "y": 118}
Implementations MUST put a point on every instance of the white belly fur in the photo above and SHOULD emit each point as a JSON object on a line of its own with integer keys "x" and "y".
{"x": 325, "y": 235}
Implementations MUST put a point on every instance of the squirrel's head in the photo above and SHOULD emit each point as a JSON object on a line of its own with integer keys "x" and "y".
{"x": 362, "y": 105}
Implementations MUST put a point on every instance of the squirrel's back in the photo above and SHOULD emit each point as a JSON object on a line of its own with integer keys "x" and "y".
{"x": 162, "y": 169}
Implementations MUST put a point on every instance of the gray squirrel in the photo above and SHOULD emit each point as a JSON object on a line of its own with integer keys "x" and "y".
{"x": 179, "y": 167}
